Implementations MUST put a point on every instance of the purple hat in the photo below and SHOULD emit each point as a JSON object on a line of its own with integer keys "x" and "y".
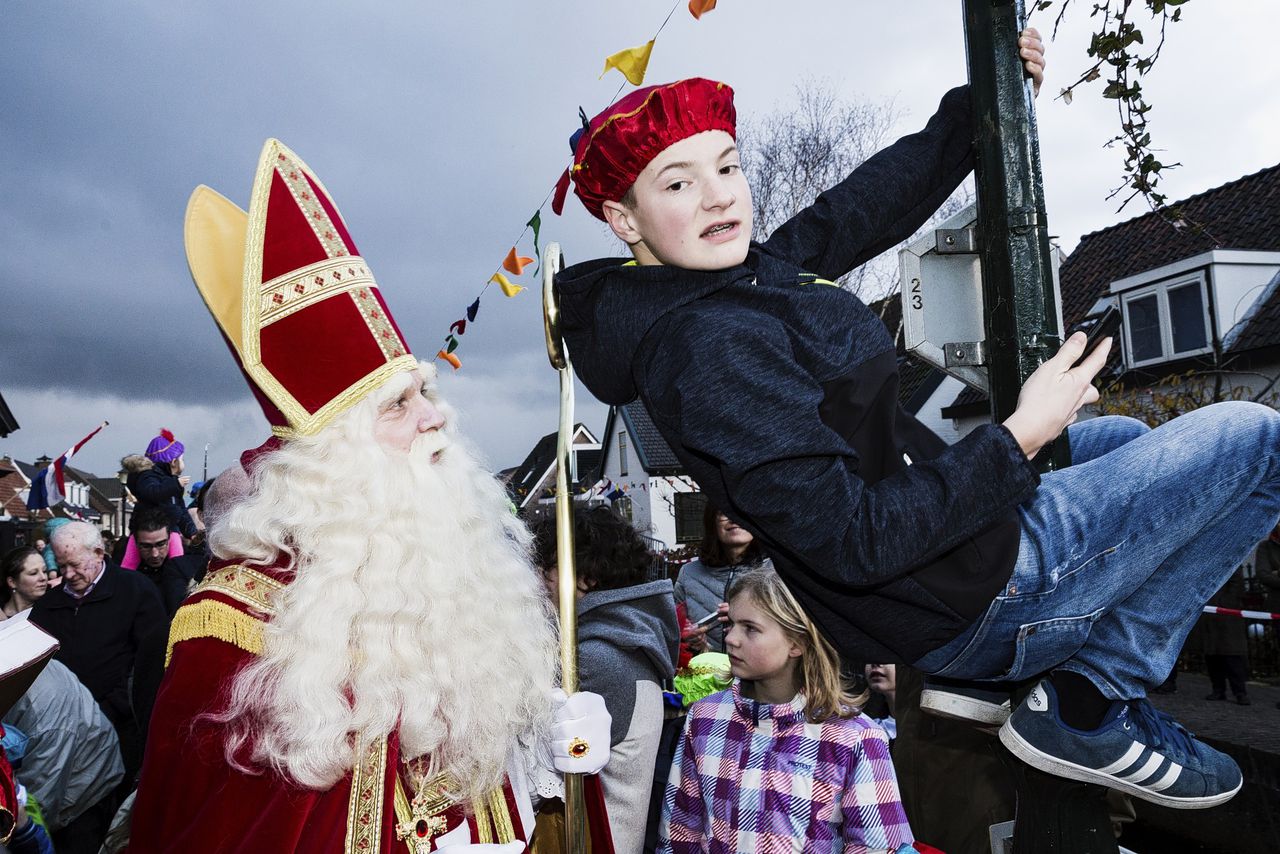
{"x": 164, "y": 448}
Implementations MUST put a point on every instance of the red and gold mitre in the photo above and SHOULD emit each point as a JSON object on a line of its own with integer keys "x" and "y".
{"x": 295, "y": 302}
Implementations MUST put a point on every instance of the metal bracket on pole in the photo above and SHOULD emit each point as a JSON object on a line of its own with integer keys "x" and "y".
{"x": 956, "y": 241}
{"x": 965, "y": 354}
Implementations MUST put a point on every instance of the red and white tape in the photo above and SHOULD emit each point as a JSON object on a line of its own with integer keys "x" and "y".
{"x": 1236, "y": 612}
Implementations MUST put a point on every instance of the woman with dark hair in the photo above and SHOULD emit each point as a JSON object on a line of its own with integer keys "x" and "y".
{"x": 725, "y": 551}
{"x": 627, "y": 639}
{"x": 24, "y": 580}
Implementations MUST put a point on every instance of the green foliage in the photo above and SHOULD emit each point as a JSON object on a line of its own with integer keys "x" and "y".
{"x": 1122, "y": 58}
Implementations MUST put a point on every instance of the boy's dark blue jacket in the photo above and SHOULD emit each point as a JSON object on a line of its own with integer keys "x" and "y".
{"x": 778, "y": 393}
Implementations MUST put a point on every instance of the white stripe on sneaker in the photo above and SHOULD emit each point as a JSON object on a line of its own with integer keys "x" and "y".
{"x": 1170, "y": 777}
{"x": 1130, "y": 756}
{"x": 1153, "y": 763}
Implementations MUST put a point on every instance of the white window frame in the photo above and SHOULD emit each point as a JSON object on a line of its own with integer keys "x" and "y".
{"x": 1161, "y": 292}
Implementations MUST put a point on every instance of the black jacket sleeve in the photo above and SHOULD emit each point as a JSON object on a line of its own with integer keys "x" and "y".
{"x": 885, "y": 200}
{"x": 793, "y": 481}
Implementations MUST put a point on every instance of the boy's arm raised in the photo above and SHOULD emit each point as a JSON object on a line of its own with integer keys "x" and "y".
{"x": 885, "y": 200}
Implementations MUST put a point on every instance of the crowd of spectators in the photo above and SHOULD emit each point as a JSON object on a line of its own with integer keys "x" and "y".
{"x": 780, "y": 692}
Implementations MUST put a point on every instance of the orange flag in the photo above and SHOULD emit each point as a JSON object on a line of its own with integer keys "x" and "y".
{"x": 632, "y": 62}
{"x": 503, "y": 282}
{"x": 451, "y": 358}
{"x": 515, "y": 264}
{"x": 698, "y": 8}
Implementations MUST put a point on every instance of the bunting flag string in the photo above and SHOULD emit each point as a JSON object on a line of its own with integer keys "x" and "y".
{"x": 632, "y": 63}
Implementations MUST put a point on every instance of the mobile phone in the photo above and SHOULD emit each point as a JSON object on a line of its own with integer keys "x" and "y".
{"x": 709, "y": 620}
{"x": 1105, "y": 327}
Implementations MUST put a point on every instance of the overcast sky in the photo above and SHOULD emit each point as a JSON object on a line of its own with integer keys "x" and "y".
{"x": 439, "y": 129}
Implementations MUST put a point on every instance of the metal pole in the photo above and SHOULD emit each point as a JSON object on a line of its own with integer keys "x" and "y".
{"x": 1053, "y": 814}
{"x": 1013, "y": 232}
{"x": 575, "y": 816}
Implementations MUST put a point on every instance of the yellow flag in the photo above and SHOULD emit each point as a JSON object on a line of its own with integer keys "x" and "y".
{"x": 451, "y": 358}
{"x": 632, "y": 62}
{"x": 503, "y": 282}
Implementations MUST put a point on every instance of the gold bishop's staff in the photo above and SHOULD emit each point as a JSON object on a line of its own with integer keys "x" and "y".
{"x": 575, "y": 816}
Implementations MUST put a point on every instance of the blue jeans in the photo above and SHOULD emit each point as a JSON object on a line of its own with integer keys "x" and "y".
{"x": 1120, "y": 551}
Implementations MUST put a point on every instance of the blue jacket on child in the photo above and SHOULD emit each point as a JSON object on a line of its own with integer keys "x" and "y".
{"x": 778, "y": 393}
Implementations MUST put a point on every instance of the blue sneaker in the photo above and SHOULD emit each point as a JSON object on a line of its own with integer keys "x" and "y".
{"x": 1137, "y": 750}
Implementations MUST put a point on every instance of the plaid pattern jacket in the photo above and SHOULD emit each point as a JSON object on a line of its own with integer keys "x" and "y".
{"x": 755, "y": 777}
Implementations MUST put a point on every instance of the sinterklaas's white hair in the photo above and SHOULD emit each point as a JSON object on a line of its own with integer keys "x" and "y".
{"x": 414, "y": 605}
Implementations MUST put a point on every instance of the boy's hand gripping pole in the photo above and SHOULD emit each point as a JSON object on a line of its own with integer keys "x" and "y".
{"x": 575, "y": 816}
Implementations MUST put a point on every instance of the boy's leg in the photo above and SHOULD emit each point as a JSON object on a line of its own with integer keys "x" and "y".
{"x": 1120, "y": 552}
{"x": 988, "y": 703}
{"x": 1124, "y": 550}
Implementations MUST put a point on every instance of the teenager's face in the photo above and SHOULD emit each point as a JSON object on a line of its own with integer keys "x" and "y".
{"x": 758, "y": 647}
{"x": 692, "y": 206}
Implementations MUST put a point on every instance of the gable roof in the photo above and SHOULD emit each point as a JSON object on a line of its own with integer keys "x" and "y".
{"x": 1241, "y": 214}
{"x": 522, "y": 481}
{"x": 652, "y": 452}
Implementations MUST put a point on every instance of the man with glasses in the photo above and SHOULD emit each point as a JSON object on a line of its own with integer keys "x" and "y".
{"x": 173, "y": 576}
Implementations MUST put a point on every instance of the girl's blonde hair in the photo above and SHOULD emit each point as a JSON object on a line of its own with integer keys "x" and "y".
{"x": 825, "y": 691}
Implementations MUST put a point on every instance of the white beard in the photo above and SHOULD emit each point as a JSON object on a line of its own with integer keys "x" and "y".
{"x": 414, "y": 606}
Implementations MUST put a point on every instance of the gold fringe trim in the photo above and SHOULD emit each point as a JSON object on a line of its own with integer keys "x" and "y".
{"x": 209, "y": 618}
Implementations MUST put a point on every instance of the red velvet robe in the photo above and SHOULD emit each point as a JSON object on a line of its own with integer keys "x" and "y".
{"x": 190, "y": 800}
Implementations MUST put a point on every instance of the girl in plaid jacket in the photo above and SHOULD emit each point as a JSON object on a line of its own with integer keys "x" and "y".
{"x": 782, "y": 761}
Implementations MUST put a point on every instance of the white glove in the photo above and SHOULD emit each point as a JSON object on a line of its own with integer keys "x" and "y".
{"x": 579, "y": 732}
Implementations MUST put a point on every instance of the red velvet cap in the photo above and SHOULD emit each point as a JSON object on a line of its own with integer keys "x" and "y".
{"x": 617, "y": 144}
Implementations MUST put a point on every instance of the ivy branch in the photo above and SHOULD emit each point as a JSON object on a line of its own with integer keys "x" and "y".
{"x": 1121, "y": 58}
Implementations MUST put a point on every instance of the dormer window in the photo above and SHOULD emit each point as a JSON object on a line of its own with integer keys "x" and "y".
{"x": 1166, "y": 321}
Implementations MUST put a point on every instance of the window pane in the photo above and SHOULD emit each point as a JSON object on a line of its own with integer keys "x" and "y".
{"x": 1186, "y": 316}
{"x": 1144, "y": 328}
{"x": 689, "y": 506}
